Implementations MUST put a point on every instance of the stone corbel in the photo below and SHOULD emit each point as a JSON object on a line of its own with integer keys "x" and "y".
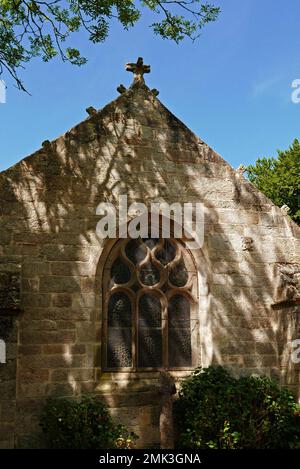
{"x": 288, "y": 288}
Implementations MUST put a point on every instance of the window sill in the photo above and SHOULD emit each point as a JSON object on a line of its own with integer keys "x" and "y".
{"x": 130, "y": 381}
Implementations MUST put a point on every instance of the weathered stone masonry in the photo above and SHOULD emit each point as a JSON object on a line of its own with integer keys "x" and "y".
{"x": 248, "y": 310}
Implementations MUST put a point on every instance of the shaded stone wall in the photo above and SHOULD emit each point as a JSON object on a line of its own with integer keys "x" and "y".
{"x": 135, "y": 146}
{"x": 9, "y": 307}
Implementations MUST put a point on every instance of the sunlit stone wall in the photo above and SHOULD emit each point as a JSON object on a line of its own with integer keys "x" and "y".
{"x": 247, "y": 316}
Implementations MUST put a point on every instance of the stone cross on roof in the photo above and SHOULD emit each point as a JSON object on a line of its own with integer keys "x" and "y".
{"x": 138, "y": 69}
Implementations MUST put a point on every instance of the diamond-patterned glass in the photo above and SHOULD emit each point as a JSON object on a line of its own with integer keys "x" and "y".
{"x": 119, "y": 350}
{"x": 149, "y": 348}
{"x": 180, "y": 350}
{"x": 149, "y": 312}
{"x": 119, "y": 310}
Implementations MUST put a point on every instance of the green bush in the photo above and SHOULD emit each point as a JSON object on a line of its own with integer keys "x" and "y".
{"x": 84, "y": 424}
{"x": 216, "y": 410}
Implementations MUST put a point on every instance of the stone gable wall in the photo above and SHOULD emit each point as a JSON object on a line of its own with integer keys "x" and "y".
{"x": 48, "y": 220}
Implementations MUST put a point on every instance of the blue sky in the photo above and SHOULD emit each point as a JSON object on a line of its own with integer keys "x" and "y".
{"x": 232, "y": 86}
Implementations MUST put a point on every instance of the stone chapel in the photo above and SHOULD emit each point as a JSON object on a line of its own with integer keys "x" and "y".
{"x": 80, "y": 314}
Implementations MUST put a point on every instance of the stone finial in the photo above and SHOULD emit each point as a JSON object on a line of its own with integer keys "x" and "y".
{"x": 91, "y": 111}
{"x": 241, "y": 169}
{"x": 285, "y": 209}
{"x": 138, "y": 69}
{"x": 46, "y": 144}
{"x": 155, "y": 92}
{"x": 121, "y": 89}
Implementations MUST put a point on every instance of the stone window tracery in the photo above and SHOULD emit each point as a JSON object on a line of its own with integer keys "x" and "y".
{"x": 150, "y": 306}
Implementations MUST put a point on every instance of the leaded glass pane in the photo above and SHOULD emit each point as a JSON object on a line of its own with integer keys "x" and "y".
{"x": 166, "y": 254}
{"x": 179, "y": 275}
{"x": 179, "y": 308}
{"x": 119, "y": 310}
{"x": 119, "y": 353}
{"x": 180, "y": 350}
{"x": 179, "y": 333}
{"x": 135, "y": 251}
{"x": 149, "y": 311}
{"x": 120, "y": 272}
{"x": 149, "y": 274}
{"x": 149, "y": 348}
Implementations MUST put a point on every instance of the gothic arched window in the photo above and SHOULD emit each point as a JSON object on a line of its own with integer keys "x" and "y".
{"x": 150, "y": 306}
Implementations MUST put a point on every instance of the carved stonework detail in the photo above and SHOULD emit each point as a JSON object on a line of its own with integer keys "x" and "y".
{"x": 285, "y": 209}
{"x": 247, "y": 243}
{"x": 91, "y": 111}
{"x": 121, "y": 89}
{"x": 46, "y": 144}
{"x": 241, "y": 169}
{"x": 288, "y": 289}
{"x": 290, "y": 280}
{"x": 155, "y": 92}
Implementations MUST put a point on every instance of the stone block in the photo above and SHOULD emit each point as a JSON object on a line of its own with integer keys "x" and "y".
{"x": 41, "y": 324}
{"x": 53, "y": 361}
{"x": 89, "y": 332}
{"x": 30, "y": 285}
{"x": 5, "y": 431}
{"x": 36, "y": 300}
{"x": 69, "y": 268}
{"x": 30, "y": 350}
{"x": 61, "y": 300}
{"x": 65, "y": 253}
{"x": 33, "y": 269}
{"x": 8, "y": 410}
{"x": 59, "y": 284}
{"x": 31, "y": 390}
{"x": 267, "y": 348}
{"x": 61, "y": 349}
{"x": 77, "y": 374}
{"x": 8, "y": 388}
{"x": 260, "y": 361}
{"x": 30, "y": 375}
{"x": 60, "y": 390}
{"x": 61, "y": 314}
{"x": 8, "y": 371}
{"x": 47, "y": 337}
